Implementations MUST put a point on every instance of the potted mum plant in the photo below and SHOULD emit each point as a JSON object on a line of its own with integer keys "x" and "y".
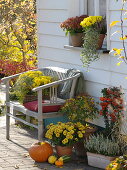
{"x": 65, "y": 135}
{"x": 95, "y": 30}
{"x": 26, "y": 82}
{"x": 73, "y": 27}
{"x": 78, "y": 110}
{"x": 102, "y": 150}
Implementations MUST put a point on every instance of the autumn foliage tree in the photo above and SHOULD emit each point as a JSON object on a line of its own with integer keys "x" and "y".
{"x": 17, "y": 36}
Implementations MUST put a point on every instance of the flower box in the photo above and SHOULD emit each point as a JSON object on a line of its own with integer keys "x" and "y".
{"x": 98, "y": 160}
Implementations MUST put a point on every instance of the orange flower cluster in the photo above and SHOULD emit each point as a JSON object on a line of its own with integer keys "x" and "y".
{"x": 72, "y": 24}
{"x": 111, "y": 104}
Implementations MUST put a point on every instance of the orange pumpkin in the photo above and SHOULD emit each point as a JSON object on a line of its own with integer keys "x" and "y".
{"x": 59, "y": 163}
{"x": 40, "y": 151}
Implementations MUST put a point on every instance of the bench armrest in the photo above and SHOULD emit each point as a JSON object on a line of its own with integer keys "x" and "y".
{"x": 55, "y": 83}
{"x": 5, "y": 79}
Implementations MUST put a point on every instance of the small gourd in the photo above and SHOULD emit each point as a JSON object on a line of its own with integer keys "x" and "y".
{"x": 64, "y": 158}
{"x": 59, "y": 163}
{"x": 52, "y": 159}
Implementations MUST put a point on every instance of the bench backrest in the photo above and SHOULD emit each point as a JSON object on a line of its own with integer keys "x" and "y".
{"x": 59, "y": 74}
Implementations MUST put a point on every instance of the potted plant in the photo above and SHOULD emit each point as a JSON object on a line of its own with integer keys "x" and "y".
{"x": 80, "y": 109}
{"x": 102, "y": 150}
{"x": 118, "y": 164}
{"x": 65, "y": 135}
{"x": 26, "y": 82}
{"x": 95, "y": 29}
{"x": 112, "y": 109}
{"x": 73, "y": 27}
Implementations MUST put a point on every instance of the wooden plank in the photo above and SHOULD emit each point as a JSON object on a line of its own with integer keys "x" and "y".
{"x": 115, "y": 36}
{"x": 118, "y": 79}
{"x": 73, "y": 57}
{"x": 115, "y": 5}
{"x": 115, "y": 16}
{"x": 52, "y": 4}
{"x": 118, "y": 69}
{"x": 18, "y": 107}
{"x": 53, "y": 41}
{"x": 50, "y": 29}
{"x": 52, "y": 15}
{"x": 23, "y": 121}
{"x": 52, "y": 114}
{"x": 94, "y": 75}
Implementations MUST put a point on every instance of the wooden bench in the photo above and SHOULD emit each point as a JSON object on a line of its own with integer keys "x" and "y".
{"x": 60, "y": 90}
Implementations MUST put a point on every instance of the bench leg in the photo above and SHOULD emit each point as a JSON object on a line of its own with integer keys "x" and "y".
{"x": 7, "y": 126}
{"x": 40, "y": 130}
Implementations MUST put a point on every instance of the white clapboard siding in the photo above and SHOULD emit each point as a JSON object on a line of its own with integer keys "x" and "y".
{"x": 115, "y": 5}
{"x": 50, "y": 28}
{"x": 53, "y": 15}
{"x": 122, "y": 69}
{"x": 64, "y": 55}
{"x": 52, "y": 4}
{"x": 51, "y": 52}
{"x": 52, "y": 41}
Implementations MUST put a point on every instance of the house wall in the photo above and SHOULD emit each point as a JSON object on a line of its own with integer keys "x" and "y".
{"x": 51, "y": 52}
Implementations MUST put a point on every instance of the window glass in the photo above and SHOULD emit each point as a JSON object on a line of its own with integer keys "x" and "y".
{"x": 91, "y": 7}
{"x": 103, "y": 7}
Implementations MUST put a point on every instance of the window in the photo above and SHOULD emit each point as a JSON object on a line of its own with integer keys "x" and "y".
{"x": 90, "y": 7}
{"x": 93, "y": 7}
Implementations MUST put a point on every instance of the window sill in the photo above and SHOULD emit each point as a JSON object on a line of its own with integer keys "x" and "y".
{"x": 103, "y": 50}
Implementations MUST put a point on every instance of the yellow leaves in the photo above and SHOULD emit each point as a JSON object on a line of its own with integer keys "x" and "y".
{"x": 123, "y": 38}
{"x": 117, "y": 51}
{"x": 114, "y": 23}
{"x": 119, "y": 63}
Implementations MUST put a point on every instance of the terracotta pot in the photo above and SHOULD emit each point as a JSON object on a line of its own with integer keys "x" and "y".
{"x": 79, "y": 146}
{"x": 89, "y": 132}
{"x": 98, "y": 160}
{"x": 79, "y": 149}
{"x": 77, "y": 39}
{"x": 63, "y": 150}
{"x": 100, "y": 41}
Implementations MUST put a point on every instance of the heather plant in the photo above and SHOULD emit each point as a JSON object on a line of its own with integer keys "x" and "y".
{"x": 103, "y": 145}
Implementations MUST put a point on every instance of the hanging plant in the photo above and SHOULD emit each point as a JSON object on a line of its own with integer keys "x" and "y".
{"x": 94, "y": 27}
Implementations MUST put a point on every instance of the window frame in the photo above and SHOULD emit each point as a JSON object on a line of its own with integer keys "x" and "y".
{"x": 80, "y": 7}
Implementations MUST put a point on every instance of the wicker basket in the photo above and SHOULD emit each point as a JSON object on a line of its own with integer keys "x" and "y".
{"x": 29, "y": 98}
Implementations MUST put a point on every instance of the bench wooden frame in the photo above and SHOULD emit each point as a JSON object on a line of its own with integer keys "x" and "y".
{"x": 13, "y": 107}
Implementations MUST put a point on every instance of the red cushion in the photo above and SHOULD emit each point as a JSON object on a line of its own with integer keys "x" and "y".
{"x": 34, "y": 107}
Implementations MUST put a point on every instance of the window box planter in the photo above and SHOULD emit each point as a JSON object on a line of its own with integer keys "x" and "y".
{"x": 98, "y": 160}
